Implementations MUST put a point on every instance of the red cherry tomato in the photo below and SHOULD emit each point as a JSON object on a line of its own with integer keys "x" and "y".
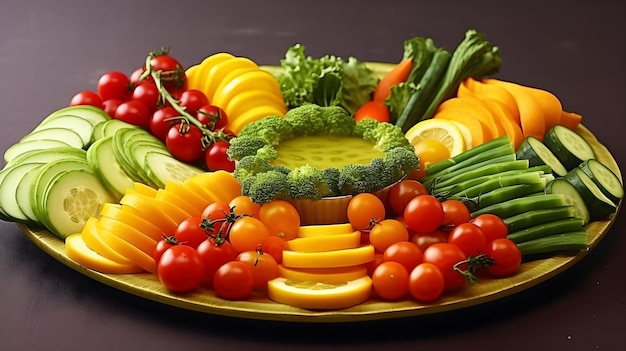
{"x": 424, "y": 213}
{"x": 134, "y": 112}
{"x": 426, "y": 282}
{"x": 264, "y": 266}
{"x": 148, "y": 94}
{"x": 424, "y": 240}
{"x": 506, "y": 256}
{"x": 212, "y": 116}
{"x": 390, "y": 280}
{"x": 161, "y": 121}
{"x": 172, "y": 72}
{"x": 216, "y": 159}
{"x": 404, "y": 191}
{"x": 162, "y": 245}
{"x": 190, "y": 232}
{"x": 192, "y": 100}
{"x": 135, "y": 77}
{"x": 274, "y": 245}
{"x": 180, "y": 268}
{"x": 455, "y": 212}
{"x": 376, "y": 110}
{"x": 234, "y": 280}
{"x": 493, "y": 226}
{"x": 184, "y": 142}
{"x": 114, "y": 85}
{"x": 469, "y": 238}
{"x": 110, "y": 106}
{"x": 87, "y": 98}
{"x": 406, "y": 253}
{"x": 445, "y": 256}
{"x": 214, "y": 253}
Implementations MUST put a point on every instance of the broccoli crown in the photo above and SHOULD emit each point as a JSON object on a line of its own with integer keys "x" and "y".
{"x": 254, "y": 149}
{"x": 307, "y": 182}
{"x": 267, "y": 186}
{"x": 272, "y": 129}
{"x": 385, "y": 136}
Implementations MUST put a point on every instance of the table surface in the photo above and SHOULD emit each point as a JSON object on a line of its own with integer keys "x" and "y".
{"x": 49, "y": 50}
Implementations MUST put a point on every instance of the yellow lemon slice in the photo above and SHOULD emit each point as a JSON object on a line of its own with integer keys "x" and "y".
{"x": 197, "y": 75}
{"x": 254, "y": 114}
{"x": 443, "y": 131}
{"x": 320, "y": 296}
{"x": 93, "y": 240}
{"x": 326, "y": 275}
{"x": 327, "y": 259}
{"x": 257, "y": 79}
{"x": 221, "y": 70}
{"x": 247, "y": 100}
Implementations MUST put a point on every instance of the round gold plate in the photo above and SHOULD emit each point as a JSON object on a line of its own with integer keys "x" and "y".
{"x": 258, "y": 306}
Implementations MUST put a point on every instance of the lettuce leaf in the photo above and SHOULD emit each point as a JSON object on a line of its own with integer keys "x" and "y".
{"x": 325, "y": 81}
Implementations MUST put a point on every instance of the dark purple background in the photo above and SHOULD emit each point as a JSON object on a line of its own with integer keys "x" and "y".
{"x": 50, "y": 50}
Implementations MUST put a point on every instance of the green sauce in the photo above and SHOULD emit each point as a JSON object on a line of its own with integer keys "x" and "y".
{"x": 325, "y": 152}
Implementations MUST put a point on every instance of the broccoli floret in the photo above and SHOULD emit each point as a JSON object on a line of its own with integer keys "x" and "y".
{"x": 401, "y": 161}
{"x": 241, "y": 147}
{"x": 332, "y": 176}
{"x": 250, "y": 166}
{"x": 267, "y": 186}
{"x": 306, "y": 119}
{"x": 385, "y": 136}
{"x": 307, "y": 182}
{"x": 338, "y": 121}
{"x": 353, "y": 179}
{"x": 272, "y": 129}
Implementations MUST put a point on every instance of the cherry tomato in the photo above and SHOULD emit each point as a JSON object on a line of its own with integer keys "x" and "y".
{"x": 429, "y": 151}
{"x": 247, "y": 234}
{"x": 402, "y": 192}
{"x": 426, "y": 282}
{"x": 162, "y": 245}
{"x": 180, "y": 268}
{"x": 190, "y": 232}
{"x": 216, "y": 211}
{"x": 445, "y": 256}
{"x": 376, "y": 110}
{"x": 214, "y": 253}
{"x": 455, "y": 212}
{"x": 387, "y": 232}
{"x": 148, "y": 94}
{"x": 172, "y": 72}
{"x": 184, "y": 142}
{"x": 493, "y": 226}
{"x": 423, "y": 213}
{"x": 404, "y": 252}
{"x": 134, "y": 112}
{"x": 371, "y": 265}
{"x": 192, "y": 100}
{"x": 216, "y": 159}
{"x": 390, "y": 280}
{"x": 162, "y": 120}
{"x": 281, "y": 219}
{"x": 87, "y": 98}
{"x": 243, "y": 205}
{"x": 469, "y": 238}
{"x": 110, "y": 106}
{"x": 364, "y": 210}
{"x": 212, "y": 116}
{"x": 135, "y": 77}
{"x": 274, "y": 245}
{"x": 424, "y": 240}
{"x": 264, "y": 266}
{"x": 113, "y": 85}
{"x": 506, "y": 256}
{"x": 234, "y": 280}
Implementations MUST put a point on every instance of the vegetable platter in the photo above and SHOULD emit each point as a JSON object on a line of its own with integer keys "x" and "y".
{"x": 259, "y": 306}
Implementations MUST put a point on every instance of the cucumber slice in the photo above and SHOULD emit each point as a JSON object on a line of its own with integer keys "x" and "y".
{"x": 537, "y": 153}
{"x": 97, "y": 132}
{"x": 102, "y": 161}
{"x": 125, "y": 149}
{"x": 92, "y": 114}
{"x": 49, "y": 155}
{"x": 568, "y": 146}
{"x": 605, "y": 179}
{"x": 22, "y": 194}
{"x": 21, "y": 147}
{"x": 43, "y": 178}
{"x": 599, "y": 205}
{"x": 81, "y": 126}
{"x": 113, "y": 125}
{"x": 65, "y": 135}
{"x": 572, "y": 197}
{"x": 8, "y": 188}
{"x": 163, "y": 168}
{"x": 72, "y": 197}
